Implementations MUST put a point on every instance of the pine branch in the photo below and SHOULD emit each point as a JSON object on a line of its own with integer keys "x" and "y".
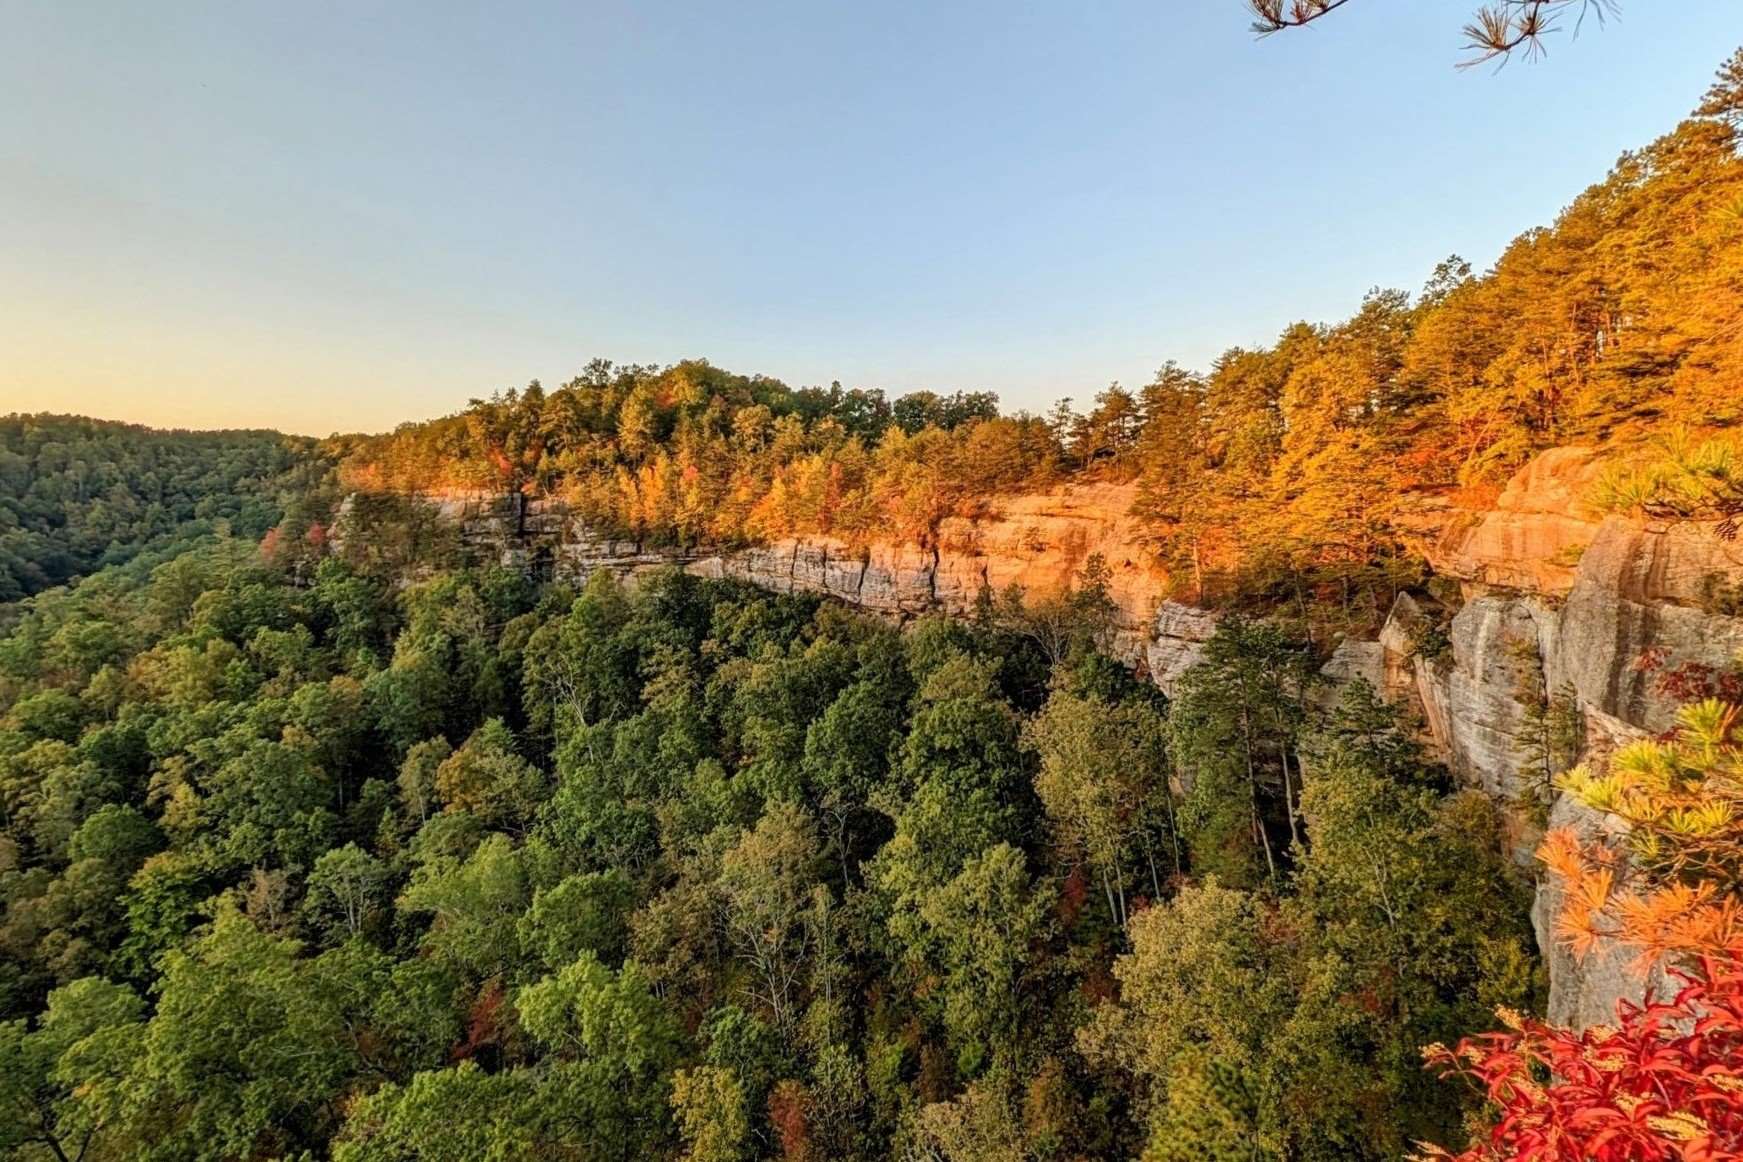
{"x": 1275, "y": 15}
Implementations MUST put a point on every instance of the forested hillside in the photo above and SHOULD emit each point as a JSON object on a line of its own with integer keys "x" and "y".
{"x": 77, "y": 494}
{"x": 376, "y": 848}
{"x": 473, "y": 869}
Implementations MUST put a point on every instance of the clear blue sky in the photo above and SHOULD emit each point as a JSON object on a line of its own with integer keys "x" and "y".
{"x": 338, "y": 216}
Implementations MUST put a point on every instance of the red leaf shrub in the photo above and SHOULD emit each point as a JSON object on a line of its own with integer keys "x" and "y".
{"x": 1667, "y": 1084}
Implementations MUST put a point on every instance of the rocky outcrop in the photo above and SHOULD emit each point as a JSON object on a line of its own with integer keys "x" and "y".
{"x": 1351, "y": 659}
{"x": 896, "y": 580}
{"x": 1040, "y": 542}
{"x": 1640, "y": 591}
{"x": 1403, "y": 662}
{"x": 1534, "y": 535}
{"x": 1639, "y": 599}
{"x": 1472, "y": 694}
{"x": 1561, "y": 598}
{"x": 1181, "y": 632}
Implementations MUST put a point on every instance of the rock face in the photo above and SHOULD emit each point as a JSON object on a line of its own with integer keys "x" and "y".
{"x": 896, "y": 580}
{"x": 1351, "y": 659}
{"x": 1576, "y": 600}
{"x": 1181, "y": 632}
{"x": 1584, "y": 992}
{"x": 1533, "y": 537}
{"x": 1499, "y": 643}
{"x": 1581, "y": 598}
{"x": 1639, "y": 589}
{"x": 1637, "y": 592}
{"x": 1556, "y": 596}
{"x": 1041, "y": 542}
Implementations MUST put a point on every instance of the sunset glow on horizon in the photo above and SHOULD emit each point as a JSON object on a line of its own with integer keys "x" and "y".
{"x": 340, "y": 217}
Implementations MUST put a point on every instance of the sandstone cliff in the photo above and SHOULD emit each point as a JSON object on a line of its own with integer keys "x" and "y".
{"x": 1040, "y": 542}
{"x": 1571, "y": 601}
{"x": 1556, "y": 597}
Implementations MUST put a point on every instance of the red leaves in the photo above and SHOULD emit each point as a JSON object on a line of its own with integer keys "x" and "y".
{"x": 1667, "y": 1084}
{"x": 789, "y": 1115}
{"x": 486, "y": 1021}
{"x": 1689, "y": 681}
{"x": 283, "y": 548}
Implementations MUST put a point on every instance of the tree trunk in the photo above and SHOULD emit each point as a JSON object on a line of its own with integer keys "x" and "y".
{"x": 1253, "y": 784}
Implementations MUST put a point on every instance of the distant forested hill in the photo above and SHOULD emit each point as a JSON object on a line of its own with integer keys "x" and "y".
{"x": 77, "y": 494}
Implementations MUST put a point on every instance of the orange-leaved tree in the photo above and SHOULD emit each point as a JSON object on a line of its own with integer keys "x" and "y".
{"x": 1666, "y": 1082}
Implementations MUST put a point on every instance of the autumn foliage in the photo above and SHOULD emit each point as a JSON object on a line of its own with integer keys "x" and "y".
{"x": 1667, "y": 1081}
{"x": 1292, "y": 474}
